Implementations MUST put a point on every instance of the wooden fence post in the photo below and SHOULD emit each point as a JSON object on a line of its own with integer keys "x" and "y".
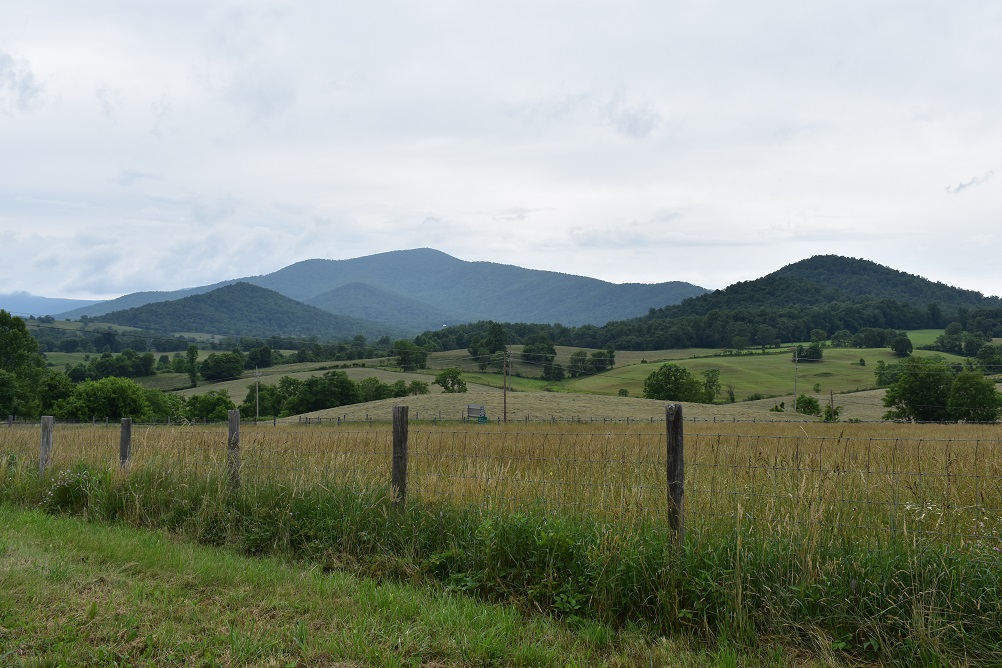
{"x": 45, "y": 449}
{"x": 125, "y": 443}
{"x": 399, "y": 470}
{"x": 233, "y": 450}
{"x": 676, "y": 472}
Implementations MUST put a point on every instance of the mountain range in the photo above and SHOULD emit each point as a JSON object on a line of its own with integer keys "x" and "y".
{"x": 422, "y": 289}
{"x": 403, "y": 293}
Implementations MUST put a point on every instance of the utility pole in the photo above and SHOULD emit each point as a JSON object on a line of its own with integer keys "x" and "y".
{"x": 257, "y": 394}
{"x": 504, "y": 384}
{"x": 797, "y": 369}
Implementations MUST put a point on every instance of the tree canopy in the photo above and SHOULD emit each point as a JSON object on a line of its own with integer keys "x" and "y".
{"x": 671, "y": 382}
{"x": 451, "y": 381}
{"x": 23, "y": 367}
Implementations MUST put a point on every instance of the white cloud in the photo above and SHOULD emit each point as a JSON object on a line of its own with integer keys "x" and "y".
{"x": 637, "y": 141}
{"x": 974, "y": 181}
{"x": 19, "y": 89}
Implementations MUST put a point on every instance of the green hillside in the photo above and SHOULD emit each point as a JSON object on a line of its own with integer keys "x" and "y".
{"x": 242, "y": 309}
{"x": 774, "y": 310}
{"x": 857, "y": 278}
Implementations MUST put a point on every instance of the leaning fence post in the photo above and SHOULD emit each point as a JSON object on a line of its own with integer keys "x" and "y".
{"x": 676, "y": 472}
{"x": 233, "y": 450}
{"x": 45, "y": 449}
{"x": 125, "y": 443}
{"x": 399, "y": 470}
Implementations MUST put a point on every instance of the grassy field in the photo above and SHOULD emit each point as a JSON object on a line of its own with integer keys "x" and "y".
{"x": 924, "y": 337}
{"x": 568, "y": 406}
{"x": 769, "y": 374}
{"x": 78, "y": 593}
{"x": 873, "y": 544}
{"x": 596, "y": 397}
{"x": 839, "y": 377}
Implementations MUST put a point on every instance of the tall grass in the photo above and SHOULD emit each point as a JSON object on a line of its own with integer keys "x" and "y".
{"x": 877, "y": 542}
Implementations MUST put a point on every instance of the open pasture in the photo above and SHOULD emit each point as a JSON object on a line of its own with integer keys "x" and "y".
{"x": 770, "y": 374}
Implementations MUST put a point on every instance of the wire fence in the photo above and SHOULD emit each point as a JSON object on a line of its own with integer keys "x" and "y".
{"x": 867, "y": 483}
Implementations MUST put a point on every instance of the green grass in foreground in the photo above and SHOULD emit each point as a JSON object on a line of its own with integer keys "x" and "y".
{"x": 76, "y": 593}
{"x": 620, "y": 587}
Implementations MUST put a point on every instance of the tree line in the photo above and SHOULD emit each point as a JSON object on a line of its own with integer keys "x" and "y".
{"x": 858, "y": 323}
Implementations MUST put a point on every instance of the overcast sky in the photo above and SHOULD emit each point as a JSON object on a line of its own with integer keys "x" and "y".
{"x": 161, "y": 145}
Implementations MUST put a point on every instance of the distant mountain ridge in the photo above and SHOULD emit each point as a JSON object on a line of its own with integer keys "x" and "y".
{"x": 417, "y": 289}
{"x": 25, "y": 305}
{"x": 405, "y": 292}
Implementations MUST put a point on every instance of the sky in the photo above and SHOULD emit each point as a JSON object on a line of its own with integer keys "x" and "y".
{"x": 163, "y": 145}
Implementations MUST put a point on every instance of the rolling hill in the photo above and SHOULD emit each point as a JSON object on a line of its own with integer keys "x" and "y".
{"x": 782, "y": 307}
{"x": 429, "y": 287}
{"x": 825, "y": 279}
{"x": 242, "y": 309}
{"x": 858, "y": 278}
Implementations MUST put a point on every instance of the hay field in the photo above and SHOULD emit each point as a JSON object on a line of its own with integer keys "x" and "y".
{"x": 868, "y": 481}
{"x": 566, "y": 406}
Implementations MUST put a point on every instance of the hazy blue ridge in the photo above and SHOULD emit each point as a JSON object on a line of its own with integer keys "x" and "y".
{"x": 24, "y": 305}
{"x": 453, "y": 291}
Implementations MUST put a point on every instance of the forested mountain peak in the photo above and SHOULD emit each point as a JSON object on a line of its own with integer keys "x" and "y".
{"x": 826, "y": 279}
{"x": 858, "y": 278}
{"x": 243, "y": 309}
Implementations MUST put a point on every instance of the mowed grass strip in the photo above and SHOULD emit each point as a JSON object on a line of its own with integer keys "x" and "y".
{"x": 74, "y": 593}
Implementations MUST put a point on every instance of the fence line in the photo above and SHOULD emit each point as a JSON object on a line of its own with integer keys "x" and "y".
{"x": 871, "y": 489}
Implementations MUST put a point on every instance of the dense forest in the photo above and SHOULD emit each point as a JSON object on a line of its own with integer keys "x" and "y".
{"x": 827, "y": 293}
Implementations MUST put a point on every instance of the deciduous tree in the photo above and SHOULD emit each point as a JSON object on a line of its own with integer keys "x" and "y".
{"x": 921, "y": 392}
{"x": 902, "y": 346}
{"x": 672, "y": 382}
{"x": 192, "y": 364}
{"x": 451, "y": 380}
{"x": 410, "y": 356}
{"x": 19, "y": 357}
{"x": 213, "y": 406}
{"x": 973, "y": 398}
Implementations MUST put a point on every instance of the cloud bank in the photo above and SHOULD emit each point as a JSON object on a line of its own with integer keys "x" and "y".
{"x": 179, "y": 144}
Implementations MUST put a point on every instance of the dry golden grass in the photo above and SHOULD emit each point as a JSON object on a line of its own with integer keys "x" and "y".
{"x": 549, "y": 406}
{"x": 869, "y": 481}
